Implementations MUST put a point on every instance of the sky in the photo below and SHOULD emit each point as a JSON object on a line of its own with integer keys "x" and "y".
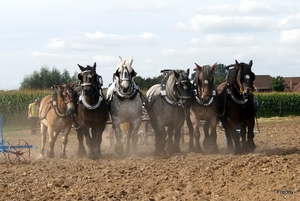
{"x": 170, "y": 34}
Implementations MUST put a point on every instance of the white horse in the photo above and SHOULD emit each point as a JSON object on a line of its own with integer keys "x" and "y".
{"x": 125, "y": 105}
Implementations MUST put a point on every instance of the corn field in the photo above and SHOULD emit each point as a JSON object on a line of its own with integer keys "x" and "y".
{"x": 278, "y": 104}
{"x": 14, "y": 105}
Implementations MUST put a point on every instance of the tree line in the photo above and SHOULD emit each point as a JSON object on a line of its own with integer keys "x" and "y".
{"x": 45, "y": 78}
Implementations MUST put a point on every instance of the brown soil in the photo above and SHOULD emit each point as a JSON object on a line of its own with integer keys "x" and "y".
{"x": 270, "y": 173}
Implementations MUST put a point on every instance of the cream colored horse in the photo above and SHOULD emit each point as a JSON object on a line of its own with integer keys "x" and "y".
{"x": 55, "y": 115}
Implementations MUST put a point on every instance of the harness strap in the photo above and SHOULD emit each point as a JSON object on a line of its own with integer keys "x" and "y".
{"x": 235, "y": 99}
{"x": 86, "y": 104}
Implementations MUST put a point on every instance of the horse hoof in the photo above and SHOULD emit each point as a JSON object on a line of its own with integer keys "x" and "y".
{"x": 119, "y": 148}
{"x": 63, "y": 156}
{"x": 50, "y": 154}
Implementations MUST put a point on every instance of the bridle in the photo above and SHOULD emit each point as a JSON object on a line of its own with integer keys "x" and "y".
{"x": 197, "y": 92}
{"x": 94, "y": 87}
{"x": 126, "y": 77}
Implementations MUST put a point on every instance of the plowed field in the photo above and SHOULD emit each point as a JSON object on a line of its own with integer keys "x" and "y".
{"x": 272, "y": 172}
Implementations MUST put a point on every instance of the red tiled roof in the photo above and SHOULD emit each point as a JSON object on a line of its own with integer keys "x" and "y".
{"x": 262, "y": 82}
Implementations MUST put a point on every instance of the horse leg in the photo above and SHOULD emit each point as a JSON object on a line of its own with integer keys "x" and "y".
{"x": 160, "y": 140}
{"x": 206, "y": 141}
{"x": 243, "y": 137}
{"x": 236, "y": 139}
{"x": 134, "y": 136}
{"x": 52, "y": 138}
{"x": 170, "y": 147}
{"x": 213, "y": 136}
{"x": 81, "y": 150}
{"x": 91, "y": 140}
{"x": 177, "y": 137}
{"x": 118, "y": 133}
{"x": 43, "y": 139}
{"x": 228, "y": 132}
{"x": 210, "y": 140}
{"x": 64, "y": 141}
{"x": 197, "y": 135}
{"x": 128, "y": 138}
{"x": 99, "y": 140}
{"x": 191, "y": 134}
{"x": 250, "y": 142}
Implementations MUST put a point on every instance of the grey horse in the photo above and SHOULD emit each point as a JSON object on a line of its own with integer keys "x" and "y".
{"x": 165, "y": 104}
{"x": 125, "y": 105}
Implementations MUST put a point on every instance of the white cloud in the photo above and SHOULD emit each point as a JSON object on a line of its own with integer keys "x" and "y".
{"x": 79, "y": 40}
{"x": 218, "y": 40}
{"x": 218, "y": 23}
{"x": 291, "y": 37}
{"x": 158, "y": 7}
{"x": 253, "y": 6}
{"x": 105, "y": 59}
{"x": 290, "y": 22}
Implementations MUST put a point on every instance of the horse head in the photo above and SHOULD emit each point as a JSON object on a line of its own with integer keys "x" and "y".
{"x": 205, "y": 81}
{"x": 88, "y": 79}
{"x": 245, "y": 78}
{"x": 124, "y": 76}
{"x": 182, "y": 84}
{"x": 65, "y": 98}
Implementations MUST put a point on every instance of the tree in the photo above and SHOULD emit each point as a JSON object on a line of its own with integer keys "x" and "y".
{"x": 277, "y": 84}
{"x": 220, "y": 75}
{"x": 45, "y": 79}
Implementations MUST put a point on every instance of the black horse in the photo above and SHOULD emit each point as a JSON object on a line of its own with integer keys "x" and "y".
{"x": 203, "y": 107}
{"x": 92, "y": 112}
{"x": 236, "y": 107}
{"x": 165, "y": 104}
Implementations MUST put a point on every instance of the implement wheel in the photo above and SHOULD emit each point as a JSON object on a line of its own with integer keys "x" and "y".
{"x": 19, "y": 152}
{"x": 3, "y": 149}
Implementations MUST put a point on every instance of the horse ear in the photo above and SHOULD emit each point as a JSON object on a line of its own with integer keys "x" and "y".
{"x": 81, "y": 67}
{"x": 73, "y": 84}
{"x": 237, "y": 64}
{"x": 94, "y": 66}
{"x": 120, "y": 59}
{"x": 188, "y": 72}
{"x": 250, "y": 63}
{"x": 130, "y": 61}
{"x": 198, "y": 67}
{"x": 213, "y": 68}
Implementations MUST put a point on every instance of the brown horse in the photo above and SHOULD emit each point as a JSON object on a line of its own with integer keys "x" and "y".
{"x": 55, "y": 115}
{"x": 203, "y": 107}
{"x": 236, "y": 107}
{"x": 92, "y": 112}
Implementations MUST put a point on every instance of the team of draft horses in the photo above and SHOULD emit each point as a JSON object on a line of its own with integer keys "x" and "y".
{"x": 169, "y": 104}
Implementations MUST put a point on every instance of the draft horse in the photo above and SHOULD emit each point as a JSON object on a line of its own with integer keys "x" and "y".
{"x": 166, "y": 106}
{"x": 203, "y": 106}
{"x": 56, "y": 115}
{"x": 92, "y": 112}
{"x": 236, "y": 107}
{"x": 125, "y": 105}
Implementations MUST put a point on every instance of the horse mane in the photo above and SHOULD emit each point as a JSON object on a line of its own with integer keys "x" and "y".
{"x": 170, "y": 81}
{"x": 231, "y": 74}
